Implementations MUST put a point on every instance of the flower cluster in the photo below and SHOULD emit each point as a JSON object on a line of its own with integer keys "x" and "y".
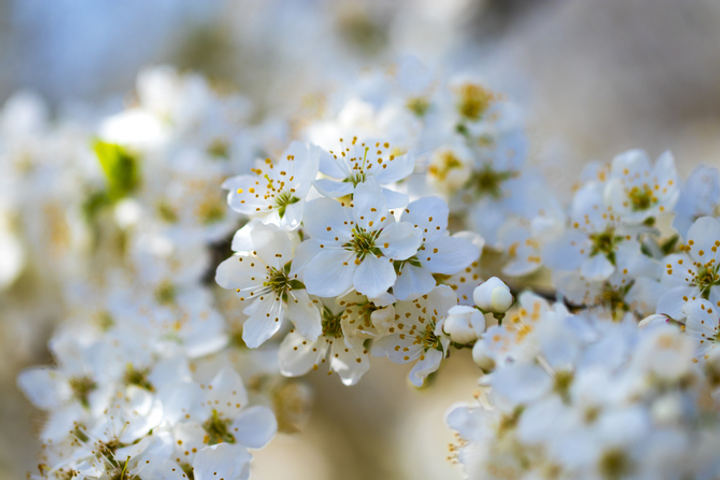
{"x": 579, "y": 396}
{"x": 362, "y": 229}
{"x": 150, "y": 380}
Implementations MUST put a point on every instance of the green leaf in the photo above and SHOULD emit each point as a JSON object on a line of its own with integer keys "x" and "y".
{"x": 121, "y": 169}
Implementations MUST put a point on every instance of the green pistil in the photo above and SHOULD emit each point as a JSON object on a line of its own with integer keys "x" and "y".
{"x": 212, "y": 212}
{"x": 166, "y": 212}
{"x": 414, "y": 261}
{"x": 279, "y": 281}
{"x": 331, "y": 324}
{"x": 418, "y": 105}
{"x": 363, "y": 243}
{"x": 563, "y": 381}
{"x": 707, "y": 277}
{"x": 428, "y": 339}
{"x": 474, "y": 101}
{"x": 285, "y": 199}
{"x": 139, "y": 378}
{"x": 614, "y": 464}
{"x": 217, "y": 430}
{"x": 356, "y": 178}
{"x": 219, "y": 148}
{"x": 165, "y": 293}
{"x": 81, "y": 388}
{"x": 641, "y": 198}
{"x": 105, "y": 321}
{"x": 604, "y": 243}
{"x": 615, "y": 298}
{"x": 488, "y": 182}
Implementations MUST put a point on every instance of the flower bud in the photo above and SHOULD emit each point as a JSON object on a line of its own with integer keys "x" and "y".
{"x": 481, "y": 358}
{"x": 464, "y": 324}
{"x": 493, "y": 296}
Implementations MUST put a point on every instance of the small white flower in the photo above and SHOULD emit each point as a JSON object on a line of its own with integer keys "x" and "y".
{"x": 354, "y": 163}
{"x": 700, "y": 197}
{"x": 264, "y": 278}
{"x": 591, "y": 244}
{"x": 493, "y": 295}
{"x": 703, "y": 327}
{"x": 439, "y": 253}
{"x": 637, "y": 190}
{"x": 417, "y": 333}
{"x": 695, "y": 273}
{"x": 464, "y": 324}
{"x": 450, "y": 168}
{"x": 276, "y": 191}
{"x": 348, "y": 356}
{"x": 355, "y": 247}
{"x": 220, "y": 415}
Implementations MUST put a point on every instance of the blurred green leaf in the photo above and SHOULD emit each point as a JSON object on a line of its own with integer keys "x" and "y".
{"x": 121, "y": 169}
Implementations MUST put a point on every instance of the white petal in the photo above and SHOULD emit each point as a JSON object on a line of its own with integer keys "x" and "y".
{"x": 521, "y": 383}
{"x": 429, "y": 214}
{"x": 350, "y": 360}
{"x": 297, "y": 355}
{"x": 397, "y": 169}
{"x": 304, "y": 253}
{"x": 303, "y": 168}
{"x": 264, "y": 321}
{"x": 395, "y": 199}
{"x": 704, "y": 233}
{"x": 330, "y": 273}
{"x": 564, "y": 253}
{"x": 399, "y": 241}
{"x": 304, "y": 314}
{"x": 700, "y": 324}
{"x": 241, "y": 199}
{"x": 226, "y": 393}
{"x": 293, "y": 215}
{"x": 369, "y": 206}
{"x": 254, "y": 427}
{"x": 413, "y": 282}
{"x": 45, "y": 387}
{"x": 597, "y": 267}
{"x": 231, "y": 462}
{"x": 327, "y": 219}
{"x": 374, "y": 276}
{"x": 332, "y": 167}
{"x": 159, "y": 468}
{"x": 673, "y": 301}
{"x": 452, "y": 255}
{"x": 272, "y": 245}
{"x": 333, "y": 189}
{"x": 237, "y": 272}
{"x": 429, "y": 362}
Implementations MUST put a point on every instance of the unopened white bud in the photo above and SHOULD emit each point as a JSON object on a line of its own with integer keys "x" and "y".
{"x": 464, "y": 324}
{"x": 493, "y": 296}
{"x": 481, "y": 358}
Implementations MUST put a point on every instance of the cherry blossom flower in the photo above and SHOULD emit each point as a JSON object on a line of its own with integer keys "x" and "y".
{"x": 355, "y": 162}
{"x": 266, "y": 283}
{"x": 276, "y": 191}
{"x": 692, "y": 274}
{"x": 417, "y": 333}
{"x": 355, "y": 246}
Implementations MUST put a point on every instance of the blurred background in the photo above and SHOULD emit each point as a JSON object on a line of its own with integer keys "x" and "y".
{"x": 596, "y": 78}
